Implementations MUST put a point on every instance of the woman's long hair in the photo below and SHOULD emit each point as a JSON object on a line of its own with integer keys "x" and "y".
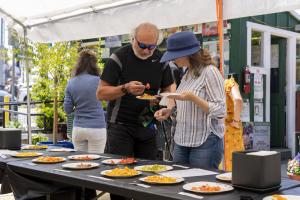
{"x": 199, "y": 61}
{"x": 87, "y": 63}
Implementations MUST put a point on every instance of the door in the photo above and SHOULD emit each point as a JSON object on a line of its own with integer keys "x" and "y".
{"x": 278, "y": 96}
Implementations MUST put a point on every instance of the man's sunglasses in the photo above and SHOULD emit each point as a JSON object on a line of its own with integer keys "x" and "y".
{"x": 146, "y": 46}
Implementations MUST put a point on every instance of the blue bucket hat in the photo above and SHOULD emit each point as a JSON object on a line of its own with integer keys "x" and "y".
{"x": 179, "y": 45}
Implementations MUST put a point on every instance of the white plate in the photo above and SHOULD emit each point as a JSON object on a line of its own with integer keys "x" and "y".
{"x": 115, "y": 162}
{"x": 104, "y": 174}
{"x": 61, "y": 150}
{"x": 178, "y": 180}
{"x": 45, "y": 162}
{"x": 140, "y": 168}
{"x": 146, "y": 98}
{"x": 20, "y": 156}
{"x": 224, "y": 187}
{"x": 288, "y": 197}
{"x": 84, "y": 157}
{"x": 225, "y": 177}
{"x": 169, "y": 94}
{"x": 34, "y": 147}
{"x": 76, "y": 165}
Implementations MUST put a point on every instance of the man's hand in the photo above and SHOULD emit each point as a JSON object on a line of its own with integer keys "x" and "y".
{"x": 162, "y": 114}
{"x": 135, "y": 87}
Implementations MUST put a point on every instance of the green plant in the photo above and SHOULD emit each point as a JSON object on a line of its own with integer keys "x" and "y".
{"x": 14, "y": 124}
{"x": 52, "y": 64}
{"x": 38, "y": 138}
{"x": 47, "y": 110}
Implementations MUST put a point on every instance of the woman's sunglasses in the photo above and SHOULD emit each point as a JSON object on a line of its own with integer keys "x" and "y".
{"x": 146, "y": 46}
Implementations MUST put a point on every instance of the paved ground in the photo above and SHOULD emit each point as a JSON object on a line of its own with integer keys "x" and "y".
{"x": 105, "y": 197}
{"x": 11, "y": 197}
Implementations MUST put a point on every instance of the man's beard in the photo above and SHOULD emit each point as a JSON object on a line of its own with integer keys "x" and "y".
{"x": 137, "y": 54}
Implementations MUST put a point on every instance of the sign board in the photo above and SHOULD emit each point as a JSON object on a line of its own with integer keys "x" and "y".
{"x": 113, "y": 41}
{"x": 258, "y": 110}
{"x": 256, "y": 135}
{"x": 261, "y": 136}
{"x": 258, "y": 86}
{"x": 248, "y": 135}
{"x": 245, "y": 114}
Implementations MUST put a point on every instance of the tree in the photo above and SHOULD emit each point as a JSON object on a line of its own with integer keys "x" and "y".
{"x": 53, "y": 64}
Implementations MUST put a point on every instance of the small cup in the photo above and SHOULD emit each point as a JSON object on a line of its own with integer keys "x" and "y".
{"x": 166, "y": 156}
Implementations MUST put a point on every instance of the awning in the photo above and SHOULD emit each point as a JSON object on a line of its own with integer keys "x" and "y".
{"x": 62, "y": 20}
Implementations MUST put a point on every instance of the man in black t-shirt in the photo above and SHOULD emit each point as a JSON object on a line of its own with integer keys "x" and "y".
{"x": 125, "y": 76}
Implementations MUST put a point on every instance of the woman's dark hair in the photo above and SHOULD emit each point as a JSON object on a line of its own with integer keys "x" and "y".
{"x": 199, "y": 61}
{"x": 87, "y": 63}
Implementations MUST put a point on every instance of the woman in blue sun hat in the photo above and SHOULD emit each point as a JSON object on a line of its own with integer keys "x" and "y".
{"x": 200, "y": 106}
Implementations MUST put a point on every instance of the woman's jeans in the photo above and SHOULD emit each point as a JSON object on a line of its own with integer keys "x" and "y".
{"x": 207, "y": 156}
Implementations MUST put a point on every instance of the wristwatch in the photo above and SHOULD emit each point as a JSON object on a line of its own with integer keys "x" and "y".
{"x": 123, "y": 89}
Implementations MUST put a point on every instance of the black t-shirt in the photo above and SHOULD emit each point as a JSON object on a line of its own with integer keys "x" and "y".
{"x": 128, "y": 108}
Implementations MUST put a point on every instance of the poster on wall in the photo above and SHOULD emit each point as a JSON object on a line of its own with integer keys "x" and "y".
{"x": 113, "y": 41}
{"x": 212, "y": 47}
{"x": 261, "y": 136}
{"x": 256, "y": 136}
{"x": 245, "y": 114}
{"x": 126, "y": 38}
{"x": 258, "y": 110}
{"x": 248, "y": 135}
{"x": 258, "y": 86}
{"x": 209, "y": 29}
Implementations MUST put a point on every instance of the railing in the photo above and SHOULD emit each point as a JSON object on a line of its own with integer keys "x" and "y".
{"x": 23, "y": 113}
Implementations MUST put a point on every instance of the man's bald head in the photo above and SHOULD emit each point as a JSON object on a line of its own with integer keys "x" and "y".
{"x": 146, "y": 30}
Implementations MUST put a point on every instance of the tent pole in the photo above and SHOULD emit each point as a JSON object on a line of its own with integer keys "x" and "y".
{"x": 27, "y": 84}
{"x": 27, "y": 70}
{"x": 219, "y": 9}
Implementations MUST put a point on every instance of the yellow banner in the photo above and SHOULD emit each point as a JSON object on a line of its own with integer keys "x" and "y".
{"x": 6, "y": 115}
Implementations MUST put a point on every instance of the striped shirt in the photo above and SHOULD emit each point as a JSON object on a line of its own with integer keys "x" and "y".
{"x": 193, "y": 124}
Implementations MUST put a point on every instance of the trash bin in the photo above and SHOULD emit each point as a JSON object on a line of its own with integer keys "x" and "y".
{"x": 10, "y": 138}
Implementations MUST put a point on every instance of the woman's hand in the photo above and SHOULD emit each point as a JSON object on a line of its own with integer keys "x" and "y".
{"x": 184, "y": 96}
{"x": 162, "y": 114}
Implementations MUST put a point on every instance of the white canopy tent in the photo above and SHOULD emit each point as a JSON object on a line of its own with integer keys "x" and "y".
{"x": 64, "y": 20}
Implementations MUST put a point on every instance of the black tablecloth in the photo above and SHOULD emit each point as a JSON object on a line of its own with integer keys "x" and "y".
{"x": 45, "y": 179}
{"x": 5, "y": 188}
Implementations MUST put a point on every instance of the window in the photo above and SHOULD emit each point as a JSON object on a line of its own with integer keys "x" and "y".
{"x": 256, "y": 51}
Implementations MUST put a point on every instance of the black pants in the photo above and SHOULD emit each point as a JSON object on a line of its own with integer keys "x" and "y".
{"x": 133, "y": 141}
